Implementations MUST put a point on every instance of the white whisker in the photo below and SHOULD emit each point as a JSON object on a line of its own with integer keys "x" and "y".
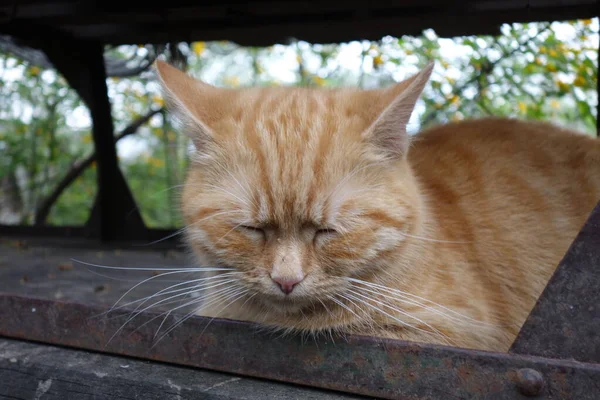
{"x": 339, "y": 303}
{"x": 237, "y": 295}
{"x": 402, "y": 293}
{"x": 353, "y": 172}
{"x": 131, "y": 318}
{"x": 220, "y": 291}
{"x": 429, "y": 239}
{"x": 394, "y": 317}
{"x": 243, "y": 188}
{"x": 194, "y": 290}
{"x": 180, "y": 231}
{"x": 149, "y": 279}
{"x": 167, "y": 290}
{"x": 243, "y": 201}
{"x": 182, "y": 269}
{"x": 192, "y": 313}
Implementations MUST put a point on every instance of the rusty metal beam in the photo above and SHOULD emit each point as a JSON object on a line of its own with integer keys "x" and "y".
{"x": 565, "y": 321}
{"x": 362, "y": 365}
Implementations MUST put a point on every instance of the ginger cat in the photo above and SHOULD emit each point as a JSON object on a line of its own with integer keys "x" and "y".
{"x": 327, "y": 217}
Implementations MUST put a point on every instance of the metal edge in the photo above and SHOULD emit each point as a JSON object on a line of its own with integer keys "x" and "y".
{"x": 565, "y": 321}
{"x": 360, "y": 365}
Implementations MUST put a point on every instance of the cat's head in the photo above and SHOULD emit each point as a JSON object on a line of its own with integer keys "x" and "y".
{"x": 297, "y": 188}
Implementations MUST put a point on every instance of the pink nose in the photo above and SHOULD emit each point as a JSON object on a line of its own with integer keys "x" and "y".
{"x": 286, "y": 284}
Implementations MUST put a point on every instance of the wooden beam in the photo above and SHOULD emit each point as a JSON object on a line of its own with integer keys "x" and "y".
{"x": 260, "y": 23}
{"x": 115, "y": 214}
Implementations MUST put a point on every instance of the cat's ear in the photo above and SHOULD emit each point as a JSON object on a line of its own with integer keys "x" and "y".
{"x": 388, "y": 131}
{"x": 193, "y": 102}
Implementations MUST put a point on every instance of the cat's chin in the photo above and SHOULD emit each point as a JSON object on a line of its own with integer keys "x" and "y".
{"x": 286, "y": 305}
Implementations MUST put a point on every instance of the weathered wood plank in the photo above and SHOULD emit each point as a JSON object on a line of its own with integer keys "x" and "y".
{"x": 43, "y": 268}
{"x": 42, "y": 372}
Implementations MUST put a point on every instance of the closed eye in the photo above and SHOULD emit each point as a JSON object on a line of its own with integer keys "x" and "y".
{"x": 325, "y": 233}
{"x": 254, "y": 231}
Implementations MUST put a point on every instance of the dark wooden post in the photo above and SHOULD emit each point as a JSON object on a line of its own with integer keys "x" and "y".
{"x": 115, "y": 214}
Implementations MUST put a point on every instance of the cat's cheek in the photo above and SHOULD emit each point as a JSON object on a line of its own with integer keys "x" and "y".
{"x": 387, "y": 238}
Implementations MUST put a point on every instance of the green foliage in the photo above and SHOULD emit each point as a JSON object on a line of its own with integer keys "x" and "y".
{"x": 533, "y": 71}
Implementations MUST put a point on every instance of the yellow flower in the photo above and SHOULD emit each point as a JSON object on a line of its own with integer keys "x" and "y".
{"x": 451, "y": 80}
{"x": 543, "y": 49}
{"x": 156, "y": 162}
{"x": 554, "y": 103}
{"x": 35, "y": 71}
{"x": 539, "y": 61}
{"x": 232, "y": 80}
{"x": 563, "y": 86}
{"x": 157, "y": 132}
{"x": 579, "y": 81}
{"x": 522, "y": 107}
{"x": 409, "y": 52}
{"x": 198, "y": 47}
{"x": 158, "y": 100}
{"x": 454, "y": 99}
{"x": 586, "y": 21}
{"x": 445, "y": 64}
{"x": 299, "y": 59}
{"x": 318, "y": 80}
{"x": 377, "y": 60}
{"x": 584, "y": 70}
{"x": 553, "y": 53}
{"x": 551, "y": 67}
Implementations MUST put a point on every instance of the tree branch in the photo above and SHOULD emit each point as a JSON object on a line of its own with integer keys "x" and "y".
{"x": 78, "y": 167}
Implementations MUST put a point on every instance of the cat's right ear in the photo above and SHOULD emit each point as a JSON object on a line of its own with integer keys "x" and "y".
{"x": 388, "y": 132}
{"x": 190, "y": 101}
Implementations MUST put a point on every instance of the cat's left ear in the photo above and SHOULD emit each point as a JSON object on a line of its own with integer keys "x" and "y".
{"x": 388, "y": 131}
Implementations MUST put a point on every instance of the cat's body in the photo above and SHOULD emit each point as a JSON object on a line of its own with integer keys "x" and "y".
{"x": 332, "y": 221}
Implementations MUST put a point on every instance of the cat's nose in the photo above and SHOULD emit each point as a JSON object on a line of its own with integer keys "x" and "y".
{"x": 287, "y": 284}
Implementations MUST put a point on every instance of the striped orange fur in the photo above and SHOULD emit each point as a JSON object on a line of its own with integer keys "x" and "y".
{"x": 445, "y": 237}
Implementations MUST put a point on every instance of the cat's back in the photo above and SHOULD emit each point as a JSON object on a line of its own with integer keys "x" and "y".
{"x": 516, "y": 193}
{"x": 497, "y": 160}
{"x": 502, "y": 138}
{"x": 510, "y": 196}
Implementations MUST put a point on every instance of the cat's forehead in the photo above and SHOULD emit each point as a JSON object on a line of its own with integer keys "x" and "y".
{"x": 291, "y": 147}
{"x": 291, "y": 106}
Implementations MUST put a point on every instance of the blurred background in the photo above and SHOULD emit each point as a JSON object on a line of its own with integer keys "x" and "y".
{"x": 540, "y": 71}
